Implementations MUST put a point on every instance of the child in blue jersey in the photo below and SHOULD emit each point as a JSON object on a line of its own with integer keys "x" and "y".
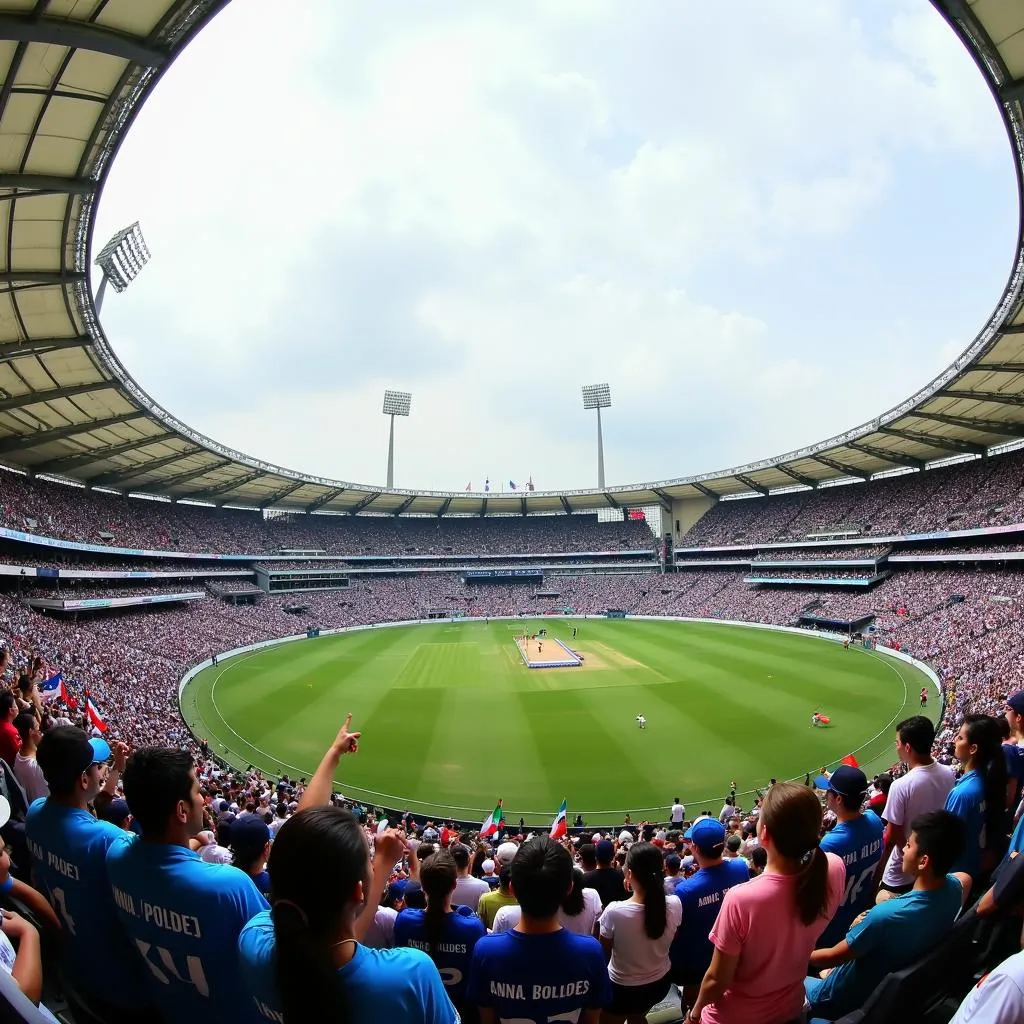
{"x": 539, "y": 971}
{"x": 857, "y": 840}
{"x": 183, "y": 915}
{"x": 979, "y": 795}
{"x": 446, "y": 935}
{"x": 69, "y": 851}
{"x": 303, "y": 962}
{"x": 898, "y": 931}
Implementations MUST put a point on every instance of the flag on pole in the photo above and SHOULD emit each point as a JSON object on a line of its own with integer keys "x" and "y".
{"x": 493, "y": 822}
{"x": 469, "y": 486}
{"x": 54, "y": 687}
{"x": 487, "y": 484}
{"x": 93, "y": 713}
{"x": 850, "y": 760}
{"x": 529, "y": 483}
{"x": 512, "y": 485}
{"x": 558, "y": 825}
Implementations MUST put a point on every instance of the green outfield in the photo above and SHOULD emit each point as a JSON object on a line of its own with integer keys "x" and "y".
{"x": 452, "y": 720}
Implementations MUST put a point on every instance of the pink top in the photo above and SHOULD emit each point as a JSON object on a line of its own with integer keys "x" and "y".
{"x": 759, "y": 923}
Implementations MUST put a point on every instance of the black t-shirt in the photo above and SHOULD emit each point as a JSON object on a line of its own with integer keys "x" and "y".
{"x": 610, "y": 884}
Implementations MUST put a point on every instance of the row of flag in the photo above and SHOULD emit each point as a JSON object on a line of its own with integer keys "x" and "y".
{"x": 512, "y": 485}
{"x": 55, "y": 688}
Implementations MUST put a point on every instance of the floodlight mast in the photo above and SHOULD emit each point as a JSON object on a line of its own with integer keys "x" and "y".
{"x": 121, "y": 261}
{"x": 598, "y": 396}
{"x": 396, "y": 403}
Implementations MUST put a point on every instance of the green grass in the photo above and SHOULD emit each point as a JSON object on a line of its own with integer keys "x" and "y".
{"x": 452, "y": 720}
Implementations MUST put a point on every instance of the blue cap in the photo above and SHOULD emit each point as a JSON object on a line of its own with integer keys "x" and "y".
{"x": 100, "y": 750}
{"x": 845, "y": 780}
{"x": 706, "y": 834}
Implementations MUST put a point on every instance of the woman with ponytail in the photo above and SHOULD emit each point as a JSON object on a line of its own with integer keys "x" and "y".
{"x": 979, "y": 796}
{"x": 768, "y": 926}
{"x": 637, "y": 934}
{"x": 302, "y": 961}
{"x": 445, "y": 934}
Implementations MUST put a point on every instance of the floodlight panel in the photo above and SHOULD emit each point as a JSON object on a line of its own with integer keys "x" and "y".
{"x": 124, "y": 256}
{"x": 397, "y": 403}
{"x": 596, "y": 396}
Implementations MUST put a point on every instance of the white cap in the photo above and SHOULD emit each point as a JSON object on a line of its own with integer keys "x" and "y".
{"x": 596, "y": 837}
{"x": 215, "y": 855}
{"x": 488, "y": 866}
{"x": 625, "y": 836}
{"x": 506, "y": 853}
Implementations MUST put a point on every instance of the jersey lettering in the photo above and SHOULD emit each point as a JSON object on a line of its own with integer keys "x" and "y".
{"x": 196, "y": 975}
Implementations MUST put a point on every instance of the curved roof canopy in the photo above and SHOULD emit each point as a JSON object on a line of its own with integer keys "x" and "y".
{"x": 75, "y": 72}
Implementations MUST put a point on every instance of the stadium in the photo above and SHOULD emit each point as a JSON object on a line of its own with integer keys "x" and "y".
{"x": 620, "y": 650}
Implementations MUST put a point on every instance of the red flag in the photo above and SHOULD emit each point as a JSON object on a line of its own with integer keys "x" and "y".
{"x": 850, "y": 760}
{"x": 65, "y": 695}
{"x": 95, "y": 718}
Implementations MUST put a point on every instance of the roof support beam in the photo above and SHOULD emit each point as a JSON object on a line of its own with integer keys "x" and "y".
{"x": 22, "y": 441}
{"x": 116, "y": 477}
{"x": 39, "y": 397}
{"x": 192, "y": 474}
{"x": 998, "y": 367}
{"x": 1012, "y": 92}
{"x": 1012, "y": 329}
{"x": 81, "y": 36}
{"x": 47, "y": 184}
{"x": 362, "y": 503}
{"x": 946, "y": 444}
{"x": 753, "y": 485}
{"x": 225, "y": 488}
{"x": 839, "y": 467}
{"x": 444, "y": 507}
{"x": 283, "y": 493}
{"x": 39, "y": 347}
{"x": 68, "y": 463}
{"x": 324, "y": 499}
{"x": 483, "y": 508}
{"x": 405, "y": 504}
{"x": 798, "y": 477}
{"x": 886, "y": 456}
{"x": 997, "y": 397}
{"x": 16, "y": 277}
{"x": 664, "y": 498}
{"x": 565, "y": 504}
{"x": 706, "y": 491}
{"x": 1004, "y": 428}
{"x": 611, "y": 501}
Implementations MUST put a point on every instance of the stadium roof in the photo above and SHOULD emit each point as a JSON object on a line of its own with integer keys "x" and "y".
{"x": 75, "y": 73}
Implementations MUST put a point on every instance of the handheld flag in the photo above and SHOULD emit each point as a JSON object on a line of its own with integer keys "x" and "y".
{"x": 54, "y": 688}
{"x": 512, "y": 485}
{"x": 95, "y": 718}
{"x": 493, "y": 822}
{"x": 469, "y": 486}
{"x": 850, "y": 760}
{"x": 558, "y": 825}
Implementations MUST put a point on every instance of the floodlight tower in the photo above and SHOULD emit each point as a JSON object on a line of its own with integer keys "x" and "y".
{"x": 598, "y": 396}
{"x": 396, "y": 403}
{"x": 121, "y": 260}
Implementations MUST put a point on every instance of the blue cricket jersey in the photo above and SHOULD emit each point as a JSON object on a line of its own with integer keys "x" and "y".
{"x": 376, "y": 984}
{"x": 453, "y": 953}
{"x": 858, "y": 844}
{"x": 701, "y": 896}
{"x": 533, "y": 979}
{"x": 69, "y": 854}
{"x": 184, "y": 916}
{"x": 967, "y": 801}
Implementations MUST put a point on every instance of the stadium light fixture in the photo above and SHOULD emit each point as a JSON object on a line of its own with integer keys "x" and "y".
{"x": 121, "y": 260}
{"x": 598, "y": 396}
{"x": 396, "y": 403}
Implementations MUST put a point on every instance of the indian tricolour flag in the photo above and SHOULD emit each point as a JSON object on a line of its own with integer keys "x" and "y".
{"x": 558, "y": 825}
{"x": 493, "y": 822}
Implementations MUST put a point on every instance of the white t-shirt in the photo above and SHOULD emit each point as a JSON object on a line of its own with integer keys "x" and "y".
{"x": 678, "y": 814}
{"x": 381, "y": 932}
{"x": 671, "y": 881}
{"x": 997, "y": 998}
{"x": 275, "y": 825}
{"x": 921, "y": 790}
{"x": 636, "y": 959}
{"x": 582, "y": 923}
{"x": 7, "y": 957}
{"x": 468, "y": 891}
{"x": 30, "y": 775}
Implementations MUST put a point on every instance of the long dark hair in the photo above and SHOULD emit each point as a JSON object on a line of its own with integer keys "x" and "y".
{"x": 316, "y": 861}
{"x": 792, "y": 816}
{"x": 438, "y": 877}
{"x": 983, "y": 730}
{"x": 573, "y": 902}
{"x": 644, "y": 861}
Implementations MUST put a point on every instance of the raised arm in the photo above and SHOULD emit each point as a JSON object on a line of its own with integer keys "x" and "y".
{"x": 318, "y": 792}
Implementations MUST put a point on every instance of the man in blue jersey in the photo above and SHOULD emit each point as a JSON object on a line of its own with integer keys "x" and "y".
{"x": 183, "y": 915}
{"x": 701, "y": 896}
{"x": 899, "y": 931}
{"x": 539, "y": 971}
{"x": 857, "y": 839}
{"x": 69, "y": 850}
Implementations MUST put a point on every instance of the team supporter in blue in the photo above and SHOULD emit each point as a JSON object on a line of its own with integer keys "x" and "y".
{"x": 250, "y": 845}
{"x": 448, "y": 936}
{"x": 183, "y": 915}
{"x": 896, "y": 932}
{"x": 303, "y": 961}
{"x": 539, "y": 971}
{"x": 1013, "y": 754}
{"x": 69, "y": 850}
{"x": 701, "y": 898}
{"x": 979, "y": 795}
{"x": 857, "y": 840}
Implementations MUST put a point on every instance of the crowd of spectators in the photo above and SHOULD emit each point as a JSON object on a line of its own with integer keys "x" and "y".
{"x": 816, "y": 554}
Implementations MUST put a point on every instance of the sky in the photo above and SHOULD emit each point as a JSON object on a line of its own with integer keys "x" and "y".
{"x": 762, "y": 222}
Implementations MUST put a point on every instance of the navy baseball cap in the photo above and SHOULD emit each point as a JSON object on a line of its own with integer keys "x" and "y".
{"x": 1016, "y": 702}
{"x": 706, "y": 834}
{"x": 845, "y": 780}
